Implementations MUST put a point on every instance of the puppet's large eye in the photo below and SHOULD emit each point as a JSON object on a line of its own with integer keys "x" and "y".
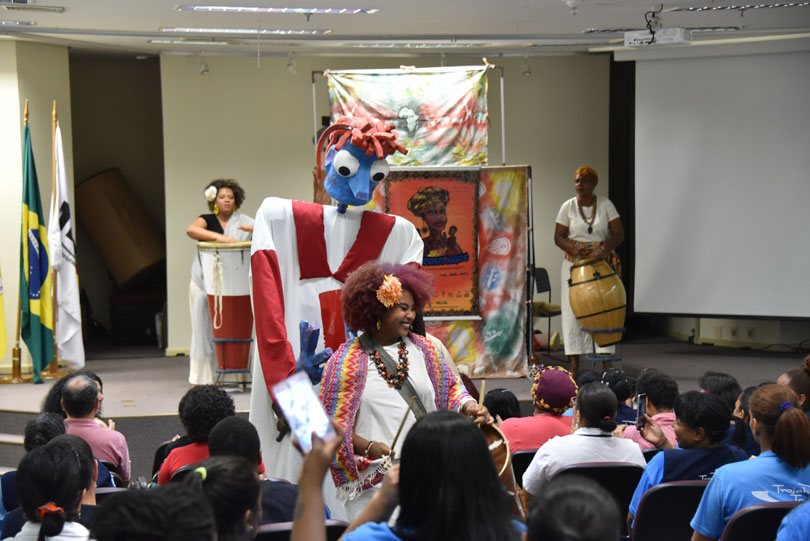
{"x": 379, "y": 170}
{"x": 345, "y": 164}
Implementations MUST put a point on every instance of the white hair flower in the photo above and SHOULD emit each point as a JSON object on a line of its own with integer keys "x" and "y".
{"x": 210, "y": 193}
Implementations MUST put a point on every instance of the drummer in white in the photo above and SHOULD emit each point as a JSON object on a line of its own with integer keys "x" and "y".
{"x": 584, "y": 229}
{"x": 223, "y": 225}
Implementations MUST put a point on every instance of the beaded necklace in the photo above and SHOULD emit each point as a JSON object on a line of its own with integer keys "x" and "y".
{"x": 397, "y": 379}
{"x": 593, "y": 216}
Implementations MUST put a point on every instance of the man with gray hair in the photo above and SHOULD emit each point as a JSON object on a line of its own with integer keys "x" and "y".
{"x": 81, "y": 402}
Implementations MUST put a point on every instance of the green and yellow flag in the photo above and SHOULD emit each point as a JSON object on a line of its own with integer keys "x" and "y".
{"x": 35, "y": 276}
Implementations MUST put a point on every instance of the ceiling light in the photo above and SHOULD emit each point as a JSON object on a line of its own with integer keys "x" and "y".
{"x": 204, "y": 71}
{"x": 742, "y": 7}
{"x": 291, "y": 64}
{"x": 17, "y": 23}
{"x": 191, "y": 42}
{"x": 573, "y": 4}
{"x": 263, "y": 32}
{"x": 31, "y": 7}
{"x": 405, "y": 45}
{"x": 296, "y": 11}
{"x": 527, "y": 68}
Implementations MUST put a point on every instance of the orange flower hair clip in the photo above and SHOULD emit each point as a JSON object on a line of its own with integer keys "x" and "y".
{"x": 390, "y": 292}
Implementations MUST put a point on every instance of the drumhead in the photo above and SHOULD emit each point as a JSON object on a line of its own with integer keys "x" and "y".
{"x": 208, "y": 246}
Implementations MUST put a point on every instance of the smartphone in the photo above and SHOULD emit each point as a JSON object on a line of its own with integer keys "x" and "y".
{"x": 304, "y": 412}
{"x": 642, "y": 409}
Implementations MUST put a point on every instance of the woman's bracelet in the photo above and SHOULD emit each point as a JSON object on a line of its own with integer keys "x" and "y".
{"x": 365, "y": 454}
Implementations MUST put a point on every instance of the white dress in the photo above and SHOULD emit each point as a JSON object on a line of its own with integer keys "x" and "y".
{"x": 577, "y": 341}
{"x": 288, "y": 283}
{"x": 202, "y": 357}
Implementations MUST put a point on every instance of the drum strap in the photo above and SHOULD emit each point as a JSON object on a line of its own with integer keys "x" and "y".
{"x": 407, "y": 392}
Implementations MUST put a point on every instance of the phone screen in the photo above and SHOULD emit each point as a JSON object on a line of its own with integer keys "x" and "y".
{"x": 304, "y": 412}
{"x": 642, "y": 410}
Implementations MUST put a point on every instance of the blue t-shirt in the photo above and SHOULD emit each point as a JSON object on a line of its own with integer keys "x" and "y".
{"x": 380, "y": 531}
{"x": 796, "y": 525}
{"x": 766, "y": 478}
{"x": 684, "y": 464}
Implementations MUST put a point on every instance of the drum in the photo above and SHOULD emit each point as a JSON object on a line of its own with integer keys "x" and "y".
{"x": 502, "y": 455}
{"x": 225, "y": 273}
{"x": 598, "y": 299}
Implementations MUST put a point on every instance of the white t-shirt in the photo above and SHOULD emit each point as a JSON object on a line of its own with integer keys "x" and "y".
{"x": 584, "y": 445}
{"x": 382, "y": 407}
{"x": 578, "y": 228}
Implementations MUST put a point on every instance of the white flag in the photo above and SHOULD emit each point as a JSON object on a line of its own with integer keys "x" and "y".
{"x": 68, "y": 313}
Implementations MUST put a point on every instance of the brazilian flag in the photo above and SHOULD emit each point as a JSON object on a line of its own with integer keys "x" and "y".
{"x": 35, "y": 276}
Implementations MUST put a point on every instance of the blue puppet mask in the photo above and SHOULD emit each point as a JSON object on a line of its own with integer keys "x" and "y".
{"x": 352, "y": 175}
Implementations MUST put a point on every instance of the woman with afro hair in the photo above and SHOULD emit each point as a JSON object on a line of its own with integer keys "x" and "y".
{"x": 370, "y": 381}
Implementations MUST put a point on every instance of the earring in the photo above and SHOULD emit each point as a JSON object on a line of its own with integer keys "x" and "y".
{"x": 216, "y": 210}
{"x": 378, "y": 324}
{"x": 424, "y": 228}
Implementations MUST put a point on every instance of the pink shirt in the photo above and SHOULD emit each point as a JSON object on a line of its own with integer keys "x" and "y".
{"x": 525, "y": 433}
{"x": 107, "y": 445}
{"x": 666, "y": 420}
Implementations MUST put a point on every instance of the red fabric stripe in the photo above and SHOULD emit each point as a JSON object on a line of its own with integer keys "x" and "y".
{"x": 275, "y": 351}
{"x": 334, "y": 333}
{"x": 309, "y": 237}
{"x": 374, "y": 230}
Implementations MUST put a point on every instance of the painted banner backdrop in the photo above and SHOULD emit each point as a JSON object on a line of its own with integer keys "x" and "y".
{"x": 440, "y": 114}
{"x": 495, "y": 345}
{"x": 434, "y": 200}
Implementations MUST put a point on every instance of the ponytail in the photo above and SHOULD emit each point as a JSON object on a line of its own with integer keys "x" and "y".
{"x": 777, "y": 414}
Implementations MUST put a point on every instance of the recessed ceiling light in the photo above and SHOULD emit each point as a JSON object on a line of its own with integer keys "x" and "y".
{"x": 299, "y": 11}
{"x": 31, "y": 7}
{"x": 742, "y": 7}
{"x": 395, "y": 45}
{"x": 262, "y": 31}
{"x": 192, "y": 42}
{"x": 17, "y": 23}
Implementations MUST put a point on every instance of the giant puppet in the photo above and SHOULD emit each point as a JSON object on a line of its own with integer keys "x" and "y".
{"x": 300, "y": 257}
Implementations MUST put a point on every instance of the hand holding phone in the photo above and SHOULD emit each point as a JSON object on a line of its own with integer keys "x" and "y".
{"x": 642, "y": 410}
{"x": 304, "y": 412}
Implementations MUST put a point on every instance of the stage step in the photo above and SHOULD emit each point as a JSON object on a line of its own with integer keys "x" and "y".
{"x": 11, "y": 439}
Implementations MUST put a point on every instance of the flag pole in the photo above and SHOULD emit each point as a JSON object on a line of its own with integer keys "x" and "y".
{"x": 16, "y": 364}
{"x": 53, "y": 371}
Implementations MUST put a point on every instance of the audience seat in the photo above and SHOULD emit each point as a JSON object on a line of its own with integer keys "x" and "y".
{"x": 183, "y": 471}
{"x": 281, "y": 531}
{"x": 757, "y": 522}
{"x": 114, "y": 473}
{"x": 103, "y": 492}
{"x": 618, "y": 478}
{"x": 665, "y": 511}
{"x": 521, "y": 461}
{"x": 160, "y": 456}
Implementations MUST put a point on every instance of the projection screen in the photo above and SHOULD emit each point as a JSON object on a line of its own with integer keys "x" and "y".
{"x": 722, "y": 186}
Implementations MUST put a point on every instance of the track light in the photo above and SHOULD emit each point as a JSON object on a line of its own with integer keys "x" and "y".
{"x": 204, "y": 71}
{"x": 291, "y": 64}
{"x": 527, "y": 68}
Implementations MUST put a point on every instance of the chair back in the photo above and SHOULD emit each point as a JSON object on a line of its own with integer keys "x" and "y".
{"x": 160, "y": 456}
{"x": 665, "y": 511}
{"x": 183, "y": 471}
{"x": 618, "y": 478}
{"x": 281, "y": 531}
{"x": 117, "y": 480}
{"x": 521, "y": 461}
{"x": 541, "y": 282}
{"x": 102, "y": 493}
{"x": 757, "y": 522}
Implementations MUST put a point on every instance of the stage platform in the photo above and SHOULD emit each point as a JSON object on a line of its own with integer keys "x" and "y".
{"x": 142, "y": 387}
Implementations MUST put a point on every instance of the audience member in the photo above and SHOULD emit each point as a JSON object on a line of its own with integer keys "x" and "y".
{"x": 234, "y": 436}
{"x": 81, "y": 401}
{"x": 725, "y": 386}
{"x": 593, "y": 441}
{"x": 701, "y": 424}
{"x": 573, "y": 509}
{"x": 798, "y": 380}
{"x": 51, "y": 481}
{"x": 175, "y": 512}
{"x": 52, "y": 403}
{"x": 88, "y": 467}
{"x": 623, "y": 387}
{"x": 661, "y": 391}
{"x": 202, "y": 407}
{"x": 502, "y": 404}
{"x": 743, "y": 437}
{"x": 796, "y": 525}
{"x": 553, "y": 390}
{"x": 232, "y": 489}
{"x": 779, "y": 473}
